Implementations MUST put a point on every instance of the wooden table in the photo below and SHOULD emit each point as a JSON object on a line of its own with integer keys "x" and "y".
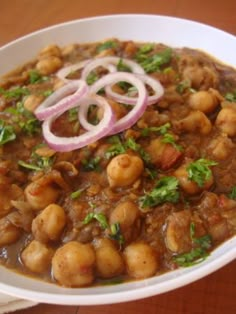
{"x": 216, "y": 293}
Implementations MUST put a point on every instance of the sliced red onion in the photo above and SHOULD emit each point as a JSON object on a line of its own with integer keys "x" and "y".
{"x": 64, "y": 72}
{"x": 148, "y": 80}
{"x": 62, "y": 99}
{"x": 64, "y": 144}
{"x": 141, "y": 103}
{"x": 107, "y": 62}
{"x": 85, "y": 103}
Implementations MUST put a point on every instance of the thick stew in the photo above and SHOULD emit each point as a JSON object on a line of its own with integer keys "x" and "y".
{"x": 117, "y": 161}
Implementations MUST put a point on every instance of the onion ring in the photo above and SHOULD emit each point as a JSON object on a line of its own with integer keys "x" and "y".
{"x": 141, "y": 103}
{"x": 148, "y": 80}
{"x": 64, "y": 144}
{"x": 108, "y": 61}
{"x": 61, "y": 100}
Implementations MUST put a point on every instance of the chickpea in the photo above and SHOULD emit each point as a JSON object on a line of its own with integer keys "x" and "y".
{"x": 69, "y": 50}
{"x": 43, "y": 191}
{"x": 189, "y": 186}
{"x": 48, "y": 65}
{"x": 50, "y": 50}
{"x": 196, "y": 121}
{"x": 31, "y": 102}
{"x": 48, "y": 225}
{"x": 73, "y": 264}
{"x": 9, "y": 233}
{"x": 44, "y": 195}
{"x": 126, "y": 214}
{"x": 221, "y": 147}
{"x": 109, "y": 262}
{"x": 205, "y": 101}
{"x": 141, "y": 260}
{"x": 226, "y": 121}
{"x": 124, "y": 170}
{"x": 37, "y": 257}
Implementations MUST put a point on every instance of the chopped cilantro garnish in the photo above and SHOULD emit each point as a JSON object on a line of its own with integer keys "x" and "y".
{"x": 120, "y": 148}
{"x": 28, "y": 166}
{"x": 153, "y": 129}
{"x": 122, "y": 67}
{"x": 199, "y": 171}
{"x": 232, "y": 194}
{"x": 92, "y": 164}
{"x": 37, "y": 162}
{"x": 153, "y": 63}
{"x": 116, "y": 148}
{"x": 92, "y": 78}
{"x": 7, "y": 133}
{"x": 107, "y": 45}
{"x": 100, "y": 217}
{"x": 35, "y": 77}
{"x": 231, "y": 96}
{"x": 166, "y": 190}
{"x": 116, "y": 233}
{"x": 24, "y": 118}
{"x": 76, "y": 194}
{"x": 197, "y": 253}
{"x": 14, "y": 93}
{"x": 169, "y": 138}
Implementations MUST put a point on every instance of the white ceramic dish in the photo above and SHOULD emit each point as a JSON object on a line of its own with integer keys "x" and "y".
{"x": 171, "y": 31}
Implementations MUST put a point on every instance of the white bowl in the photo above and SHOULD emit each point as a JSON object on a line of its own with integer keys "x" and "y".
{"x": 171, "y": 31}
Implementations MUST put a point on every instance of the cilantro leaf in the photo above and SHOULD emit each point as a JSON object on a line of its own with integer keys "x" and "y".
{"x": 232, "y": 194}
{"x": 198, "y": 253}
{"x": 116, "y": 233}
{"x": 107, "y": 45}
{"x": 7, "y": 133}
{"x": 92, "y": 78}
{"x": 120, "y": 148}
{"x": 159, "y": 129}
{"x": 166, "y": 190}
{"x": 231, "y": 96}
{"x": 76, "y": 194}
{"x": 14, "y": 93}
{"x": 100, "y": 217}
{"x": 35, "y": 77}
{"x": 169, "y": 138}
{"x": 154, "y": 62}
{"x": 199, "y": 171}
{"x": 92, "y": 164}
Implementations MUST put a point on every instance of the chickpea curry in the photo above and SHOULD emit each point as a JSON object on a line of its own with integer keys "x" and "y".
{"x": 116, "y": 161}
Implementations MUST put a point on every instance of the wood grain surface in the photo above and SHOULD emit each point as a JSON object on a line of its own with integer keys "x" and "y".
{"x": 214, "y": 294}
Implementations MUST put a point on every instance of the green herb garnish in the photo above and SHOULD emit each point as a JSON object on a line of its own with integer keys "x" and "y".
{"x": 92, "y": 78}
{"x": 35, "y": 77}
{"x": 116, "y": 233}
{"x": 154, "y": 62}
{"x": 7, "y": 133}
{"x": 92, "y": 164}
{"x": 14, "y": 93}
{"x": 231, "y": 96}
{"x": 197, "y": 254}
{"x": 120, "y": 148}
{"x": 169, "y": 138}
{"x": 232, "y": 194}
{"x": 166, "y": 190}
{"x": 107, "y": 45}
{"x": 199, "y": 171}
{"x": 100, "y": 217}
{"x": 76, "y": 194}
{"x": 156, "y": 129}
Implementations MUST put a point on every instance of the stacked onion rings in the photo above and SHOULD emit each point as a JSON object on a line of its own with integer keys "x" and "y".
{"x": 77, "y": 94}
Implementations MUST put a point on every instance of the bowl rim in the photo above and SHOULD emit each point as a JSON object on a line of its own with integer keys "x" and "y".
{"x": 148, "y": 287}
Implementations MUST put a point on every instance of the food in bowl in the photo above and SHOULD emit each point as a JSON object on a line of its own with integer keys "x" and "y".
{"x": 116, "y": 161}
